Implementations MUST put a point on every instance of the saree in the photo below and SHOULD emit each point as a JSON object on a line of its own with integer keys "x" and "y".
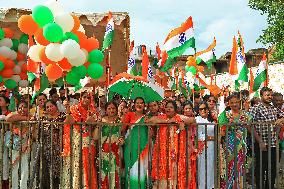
{"x": 136, "y": 152}
{"x": 236, "y": 150}
{"x": 110, "y": 163}
{"x": 79, "y": 171}
{"x": 169, "y": 157}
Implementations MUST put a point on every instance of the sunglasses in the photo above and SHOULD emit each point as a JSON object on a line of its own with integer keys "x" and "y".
{"x": 200, "y": 109}
{"x": 211, "y": 101}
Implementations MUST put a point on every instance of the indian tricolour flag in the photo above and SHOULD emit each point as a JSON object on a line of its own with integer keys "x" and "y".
{"x": 108, "y": 38}
{"x": 180, "y": 39}
{"x": 238, "y": 68}
{"x": 222, "y": 118}
{"x": 131, "y": 61}
{"x": 207, "y": 56}
{"x": 261, "y": 74}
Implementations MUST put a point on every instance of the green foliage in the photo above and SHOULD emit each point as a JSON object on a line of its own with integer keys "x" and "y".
{"x": 273, "y": 35}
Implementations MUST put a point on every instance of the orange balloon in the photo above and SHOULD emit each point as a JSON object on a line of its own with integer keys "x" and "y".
{"x": 27, "y": 24}
{"x": 40, "y": 38}
{"x": 76, "y": 23}
{"x": 23, "y": 76}
{"x": 32, "y": 66}
{"x": 8, "y": 33}
{"x": 43, "y": 57}
{"x": 82, "y": 38}
{"x": 53, "y": 72}
{"x": 191, "y": 61}
{"x": 9, "y": 64}
{"x": 200, "y": 68}
{"x": 20, "y": 56}
{"x": 91, "y": 44}
{"x": 7, "y": 73}
{"x": 64, "y": 64}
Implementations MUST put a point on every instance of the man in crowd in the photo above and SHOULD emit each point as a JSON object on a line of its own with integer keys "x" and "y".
{"x": 263, "y": 112}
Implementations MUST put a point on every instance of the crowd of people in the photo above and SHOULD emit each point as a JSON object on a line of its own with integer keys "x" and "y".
{"x": 88, "y": 141}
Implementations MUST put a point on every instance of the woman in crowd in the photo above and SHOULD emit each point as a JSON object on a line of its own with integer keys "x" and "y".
{"x": 211, "y": 101}
{"x": 122, "y": 109}
{"x": 136, "y": 144}
{"x": 51, "y": 149}
{"x": 206, "y": 139}
{"x": 84, "y": 112}
{"x": 38, "y": 111}
{"x": 111, "y": 141}
{"x": 4, "y": 103}
{"x": 237, "y": 135}
{"x": 169, "y": 154}
{"x": 20, "y": 147}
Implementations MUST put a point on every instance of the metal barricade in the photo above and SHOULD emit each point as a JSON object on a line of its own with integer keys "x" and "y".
{"x": 89, "y": 155}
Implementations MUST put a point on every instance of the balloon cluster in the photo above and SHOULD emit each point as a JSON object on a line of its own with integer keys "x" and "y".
{"x": 13, "y": 67}
{"x": 192, "y": 67}
{"x": 61, "y": 44}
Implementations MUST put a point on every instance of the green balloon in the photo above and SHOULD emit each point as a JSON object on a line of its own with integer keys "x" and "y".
{"x": 42, "y": 15}
{"x": 187, "y": 68}
{"x": 72, "y": 78}
{"x": 53, "y": 32}
{"x": 81, "y": 71}
{"x": 96, "y": 56}
{"x": 10, "y": 84}
{"x": 95, "y": 71}
{"x": 24, "y": 39}
{"x": 2, "y": 34}
{"x": 15, "y": 44}
{"x": 1, "y": 78}
{"x": 70, "y": 35}
{"x": 192, "y": 69}
{"x": 1, "y": 65}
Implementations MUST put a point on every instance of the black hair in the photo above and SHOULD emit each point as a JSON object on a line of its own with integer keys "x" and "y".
{"x": 42, "y": 94}
{"x": 52, "y": 91}
{"x": 265, "y": 89}
{"x": 210, "y": 118}
{"x": 234, "y": 95}
{"x": 187, "y": 103}
{"x": 52, "y": 102}
{"x": 113, "y": 103}
{"x": 137, "y": 98}
{"x": 173, "y": 103}
{"x": 277, "y": 94}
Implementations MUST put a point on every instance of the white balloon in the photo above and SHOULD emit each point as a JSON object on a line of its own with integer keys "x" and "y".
{"x": 53, "y": 53}
{"x": 5, "y": 51}
{"x": 23, "y": 48}
{"x": 33, "y": 52}
{"x": 16, "y": 78}
{"x": 17, "y": 69}
{"x": 54, "y": 6}
{"x": 65, "y": 20}
{"x": 70, "y": 49}
{"x": 6, "y": 42}
{"x": 20, "y": 63}
{"x": 79, "y": 60}
{"x": 86, "y": 53}
{"x": 23, "y": 83}
{"x": 81, "y": 29}
{"x": 13, "y": 55}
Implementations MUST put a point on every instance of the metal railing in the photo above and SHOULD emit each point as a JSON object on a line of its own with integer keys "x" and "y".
{"x": 81, "y": 155}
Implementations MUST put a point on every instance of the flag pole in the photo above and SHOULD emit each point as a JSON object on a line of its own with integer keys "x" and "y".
{"x": 108, "y": 72}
